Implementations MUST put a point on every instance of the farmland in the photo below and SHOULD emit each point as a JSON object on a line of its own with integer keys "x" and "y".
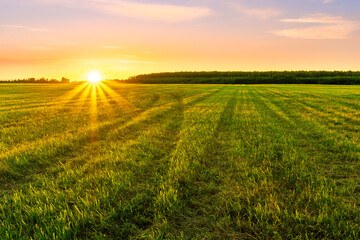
{"x": 135, "y": 161}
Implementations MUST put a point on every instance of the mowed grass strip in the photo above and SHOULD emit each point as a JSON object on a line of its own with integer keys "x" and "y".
{"x": 179, "y": 162}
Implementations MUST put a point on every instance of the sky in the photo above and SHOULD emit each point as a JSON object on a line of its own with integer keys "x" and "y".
{"x": 122, "y": 38}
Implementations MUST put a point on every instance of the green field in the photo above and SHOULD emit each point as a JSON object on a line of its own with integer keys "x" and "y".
{"x": 132, "y": 161}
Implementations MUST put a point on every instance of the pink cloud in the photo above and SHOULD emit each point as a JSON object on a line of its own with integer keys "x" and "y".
{"x": 333, "y": 31}
{"x": 260, "y": 13}
{"x": 318, "y": 18}
{"x": 32, "y": 29}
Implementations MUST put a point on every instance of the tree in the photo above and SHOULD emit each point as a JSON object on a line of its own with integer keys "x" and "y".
{"x": 65, "y": 80}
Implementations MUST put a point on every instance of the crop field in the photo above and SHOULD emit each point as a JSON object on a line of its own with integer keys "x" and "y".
{"x": 133, "y": 161}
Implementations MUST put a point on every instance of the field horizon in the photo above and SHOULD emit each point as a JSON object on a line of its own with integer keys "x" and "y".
{"x": 179, "y": 161}
{"x": 222, "y": 77}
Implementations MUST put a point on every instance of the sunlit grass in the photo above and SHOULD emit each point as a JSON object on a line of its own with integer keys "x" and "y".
{"x": 113, "y": 161}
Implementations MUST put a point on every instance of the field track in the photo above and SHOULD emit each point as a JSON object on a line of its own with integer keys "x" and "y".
{"x": 132, "y": 161}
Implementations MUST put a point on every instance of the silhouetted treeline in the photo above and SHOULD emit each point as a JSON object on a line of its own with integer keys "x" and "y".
{"x": 41, "y": 80}
{"x": 293, "y": 77}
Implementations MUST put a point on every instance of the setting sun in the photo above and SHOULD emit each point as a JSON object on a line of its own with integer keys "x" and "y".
{"x": 94, "y": 77}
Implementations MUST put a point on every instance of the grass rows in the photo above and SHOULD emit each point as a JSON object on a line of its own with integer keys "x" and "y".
{"x": 179, "y": 162}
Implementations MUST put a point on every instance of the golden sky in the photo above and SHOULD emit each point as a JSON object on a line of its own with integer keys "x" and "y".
{"x": 70, "y": 38}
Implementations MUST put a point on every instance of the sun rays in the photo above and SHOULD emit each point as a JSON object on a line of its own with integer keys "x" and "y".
{"x": 98, "y": 103}
{"x": 94, "y": 95}
{"x": 85, "y": 99}
{"x": 93, "y": 118}
{"x": 125, "y": 105}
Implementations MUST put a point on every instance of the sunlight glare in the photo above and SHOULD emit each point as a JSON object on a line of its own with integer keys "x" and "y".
{"x": 94, "y": 77}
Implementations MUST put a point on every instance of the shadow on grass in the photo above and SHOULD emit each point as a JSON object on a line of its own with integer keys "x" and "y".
{"x": 215, "y": 147}
{"x": 21, "y": 166}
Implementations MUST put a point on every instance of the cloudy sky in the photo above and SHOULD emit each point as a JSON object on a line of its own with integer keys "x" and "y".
{"x": 55, "y": 38}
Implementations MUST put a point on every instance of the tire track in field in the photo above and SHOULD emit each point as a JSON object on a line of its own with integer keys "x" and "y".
{"x": 67, "y": 136}
{"x": 213, "y": 160}
{"x": 148, "y": 120}
{"x": 41, "y": 115}
{"x": 40, "y": 129}
{"x": 154, "y": 99}
{"x": 169, "y": 133}
{"x": 35, "y": 128}
{"x": 147, "y": 167}
{"x": 317, "y": 125}
{"x": 226, "y": 119}
{"x": 340, "y": 100}
{"x": 334, "y": 160}
{"x": 343, "y": 129}
{"x": 288, "y": 170}
{"x": 56, "y": 102}
{"x": 314, "y": 144}
{"x": 321, "y": 110}
{"x": 146, "y": 170}
{"x": 282, "y": 169}
{"x": 44, "y": 122}
{"x": 143, "y": 175}
{"x": 241, "y": 191}
{"x": 173, "y": 185}
{"x": 67, "y": 142}
{"x": 107, "y": 124}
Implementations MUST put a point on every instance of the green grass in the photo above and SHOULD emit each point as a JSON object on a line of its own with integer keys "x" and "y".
{"x": 179, "y": 161}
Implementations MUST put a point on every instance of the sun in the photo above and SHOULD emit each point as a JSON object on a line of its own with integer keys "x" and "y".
{"x": 94, "y": 77}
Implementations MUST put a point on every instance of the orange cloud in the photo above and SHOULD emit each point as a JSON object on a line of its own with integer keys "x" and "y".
{"x": 160, "y": 12}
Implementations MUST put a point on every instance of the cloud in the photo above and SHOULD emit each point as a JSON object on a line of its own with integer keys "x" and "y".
{"x": 334, "y": 31}
{"x": 318, "y": 18}
{"x": 32, "y": 29}
{"x": 323, "y": 27}
{"x": 147, "y": 11}
{"x": 160, "y": 12}
{"x": 110, "y": 61}
{"x": 328, "y": 1}
{"x": 260, "y": 13}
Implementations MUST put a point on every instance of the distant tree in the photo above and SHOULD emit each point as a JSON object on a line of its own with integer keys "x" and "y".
{"x": 42, "y": 80}
{"x": 65, "y": 80}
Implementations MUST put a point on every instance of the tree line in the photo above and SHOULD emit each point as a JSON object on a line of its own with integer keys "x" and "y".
{"x": 40, "y": 80}
{"x": 273, "y": 77}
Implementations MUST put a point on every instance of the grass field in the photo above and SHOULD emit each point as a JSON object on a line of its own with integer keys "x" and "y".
{"x": 113, "y": 161}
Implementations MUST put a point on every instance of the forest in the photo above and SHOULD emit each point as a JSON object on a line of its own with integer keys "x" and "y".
{"x": 273, "y": 77}
{"x": 40, "y": 80}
